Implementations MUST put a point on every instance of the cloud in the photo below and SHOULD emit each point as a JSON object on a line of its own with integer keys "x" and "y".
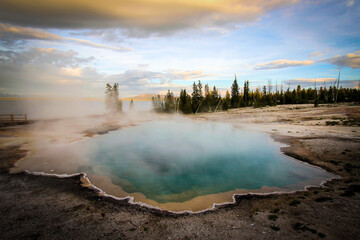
{"x": 16, "y": 33}
{"x": 133, "y": 77}
{"x": 305, "y": 82}
{"x": 320, "y": 82}
{"x": 282, "y": 63}
{"x": 97, "y": 45}
{"x": 40, "y": 70}
{"x": 314, "y": 54}
{"x": 12, "y": 33}
{"x": 315, "y": 79}
{"x": 49, "y": 71}
{"x": 107, "y": 35}
{"x": 351, "y": 60}
{"x": 187, "y": 75}
{"x": 141, "y": 76}
{"x": 140, "y": 15}
{"x": 43, "y": 57}
{"x": 350, "y": 3}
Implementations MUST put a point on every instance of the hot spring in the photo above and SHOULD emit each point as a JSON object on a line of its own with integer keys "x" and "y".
{"x": 188, "y": 165}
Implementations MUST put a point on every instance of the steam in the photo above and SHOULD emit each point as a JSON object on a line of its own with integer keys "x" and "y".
{"x": 38, "y": 109}
{"x": 59, "y": 127}
{"x": 160, "y": 158}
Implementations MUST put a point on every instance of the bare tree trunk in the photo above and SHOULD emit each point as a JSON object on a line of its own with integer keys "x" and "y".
{"x": 337, "y": 88}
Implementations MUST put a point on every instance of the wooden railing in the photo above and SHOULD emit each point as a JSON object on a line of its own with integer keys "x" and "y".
{"x": 13, "y": 118}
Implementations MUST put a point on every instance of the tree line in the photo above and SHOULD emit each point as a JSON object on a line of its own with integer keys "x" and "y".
{"x": 210, "y": 99}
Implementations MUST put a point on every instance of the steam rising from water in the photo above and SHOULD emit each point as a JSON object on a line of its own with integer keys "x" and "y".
{"x": 178, "y": 160}
{"x": 163, "y": 160}
{"x": 59, "y": 109}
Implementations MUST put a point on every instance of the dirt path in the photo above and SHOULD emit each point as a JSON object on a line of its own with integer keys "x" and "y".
{"x": 37, "y": 207}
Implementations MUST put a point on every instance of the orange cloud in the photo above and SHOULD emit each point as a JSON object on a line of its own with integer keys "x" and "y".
{"x": 11, "y": 32}
{"x": 23, "y": 32}
{"x": 318, "y": 53}
{"x": 152, "y": 15}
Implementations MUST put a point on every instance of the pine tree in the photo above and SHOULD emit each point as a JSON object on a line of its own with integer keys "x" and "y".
{"x": 215, "y": 98}
{"x": 226, "y": 101}
{"x": 187, "y": 107}
{"x": 185, "y": 102}
{"x": 112, "y": 101}
{"x": 207, "y": 90}
{"x": 235, "y": 95}
{"x": 196, "y": 97}
{"x": 169, "y": 102}
{"x": 158, "y": 104}
{"x": 206, "y": 104}
{"x": 108, "y": 97}
{"x": 246, "y": 93}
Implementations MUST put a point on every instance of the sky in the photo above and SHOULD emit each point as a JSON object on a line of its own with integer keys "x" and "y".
{"x": 72, "y": 48}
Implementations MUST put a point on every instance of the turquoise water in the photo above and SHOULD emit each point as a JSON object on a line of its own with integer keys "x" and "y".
{"x": 178, "y": 160}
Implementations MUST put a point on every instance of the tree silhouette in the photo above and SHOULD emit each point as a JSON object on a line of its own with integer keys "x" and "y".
{"x": 112, "y": 101}
{"x": 235, "y": 95}
{"x": 131, "y": 107}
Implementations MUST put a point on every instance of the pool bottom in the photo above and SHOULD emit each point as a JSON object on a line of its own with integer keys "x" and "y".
{"x": 105, "y": 186}
{"x": 198, "y": 204}
{"x": 46, "y": 165}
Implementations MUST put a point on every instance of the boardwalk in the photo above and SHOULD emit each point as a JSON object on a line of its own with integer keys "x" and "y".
{"x": 12, "y": 119}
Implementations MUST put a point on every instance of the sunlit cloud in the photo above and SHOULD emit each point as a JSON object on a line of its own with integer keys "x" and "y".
{"x": 14, "y": 33}
{"x": 63, "y": 47}
{"x": 282, "y": 63}
{"x": 63, "y": 72}
{"x": 317, "y": 54}
{"x": 43, "y": 69}
{"x": 188, "y": 75}
{"x": 351, "y": 60}
{"x": 147, "y": 15}
{"x": 72, "y": 71}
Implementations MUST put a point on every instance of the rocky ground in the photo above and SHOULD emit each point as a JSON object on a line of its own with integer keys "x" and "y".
{"x": 38, "y": 207}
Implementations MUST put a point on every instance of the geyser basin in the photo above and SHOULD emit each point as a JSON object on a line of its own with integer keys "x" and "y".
{"x": 186, "y": 165}
{"x": 176, "y": 164}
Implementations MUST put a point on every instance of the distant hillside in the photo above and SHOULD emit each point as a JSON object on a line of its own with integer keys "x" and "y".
{"x": 142, "y": 97}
